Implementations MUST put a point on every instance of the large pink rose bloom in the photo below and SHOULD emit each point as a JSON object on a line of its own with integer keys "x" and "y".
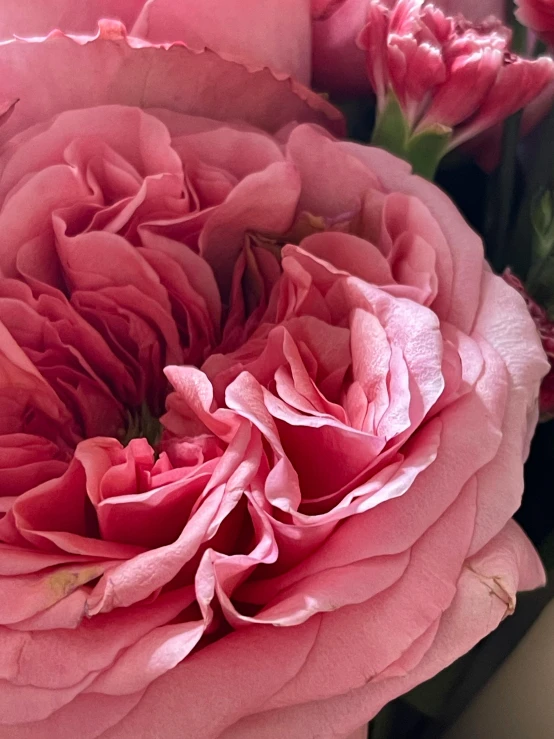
{"x": 251, "y": 377}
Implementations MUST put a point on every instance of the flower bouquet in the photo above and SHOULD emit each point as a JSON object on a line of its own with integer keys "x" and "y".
{"x": 265, "y": 399}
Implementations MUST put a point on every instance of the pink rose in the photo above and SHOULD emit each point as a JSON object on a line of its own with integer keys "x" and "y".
{"x": 347, "y": 391}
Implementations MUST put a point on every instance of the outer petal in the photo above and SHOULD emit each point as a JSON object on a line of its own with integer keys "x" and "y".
{"x": 39, "y": 17}
{"x": 478, "y": 607}
{"x": 139, "y": 74}
{"x": 511, "y": 333}
{"x": 273, "y": 33}
{"x": 222, "y": 685}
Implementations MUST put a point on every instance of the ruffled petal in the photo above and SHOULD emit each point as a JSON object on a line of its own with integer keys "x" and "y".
{"x": 136, "y": 73}
{"x": 272, "y": 34}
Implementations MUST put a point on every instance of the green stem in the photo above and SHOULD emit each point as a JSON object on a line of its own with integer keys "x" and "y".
{"x": 501, "y": 194}
{"x": 422, "y": 150}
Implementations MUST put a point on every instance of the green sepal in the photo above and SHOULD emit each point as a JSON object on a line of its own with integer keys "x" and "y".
{"x": 422, "y": 150}
{"x": 426, "y": 149}
{"x": 391, "y": 130}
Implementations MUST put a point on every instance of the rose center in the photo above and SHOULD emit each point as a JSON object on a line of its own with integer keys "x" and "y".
{"x": 141, "y": 424}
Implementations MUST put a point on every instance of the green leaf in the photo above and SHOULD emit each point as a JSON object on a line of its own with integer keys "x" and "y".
{"x": 542, "y": 220}
{"x": 540, "y": 283}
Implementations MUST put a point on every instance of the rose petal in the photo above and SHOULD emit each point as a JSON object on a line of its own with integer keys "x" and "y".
{"x": 37, "y": 18}
{"x": 146, "y": 76}
{"x": 277, "y": 36}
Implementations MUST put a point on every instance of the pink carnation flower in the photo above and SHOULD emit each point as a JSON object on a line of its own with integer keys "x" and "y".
{"x": 251, "y": 376}
{"x": 445, "y": 71}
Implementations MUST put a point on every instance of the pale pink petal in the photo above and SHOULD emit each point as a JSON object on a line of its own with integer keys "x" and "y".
{"x": 147, "y": 658}
{"x": 264, "y": 202}
{"x": 221, "y": 675}
{"x": 132, "y": 581}
{"x": 333, "y": 185}
{"x": 480, "y": 603}
{"x": 88, "y": 716}
{"x": 25, "y": 596}
{"x": 27, "y": 461}
{"x": 293, "y": 669}
{"x": 506, "y": 328}
{"x": 459, "y": 250}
